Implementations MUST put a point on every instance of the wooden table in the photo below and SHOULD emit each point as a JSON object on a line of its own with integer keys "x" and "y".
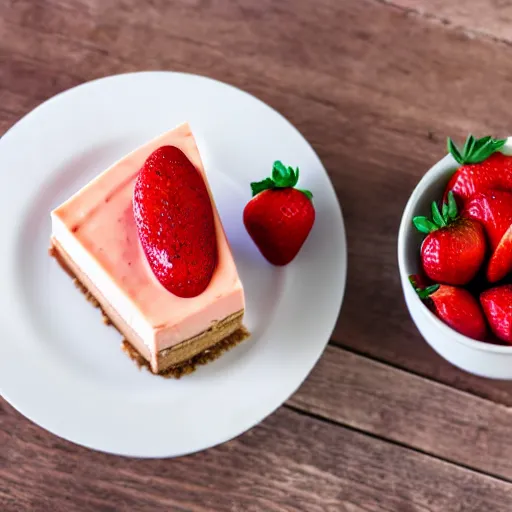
{"x": 382, "y": 424}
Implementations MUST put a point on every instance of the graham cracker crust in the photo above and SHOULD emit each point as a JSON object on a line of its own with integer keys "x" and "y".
{"x": 204, "y": 357}
{"x": 209, "y": 354}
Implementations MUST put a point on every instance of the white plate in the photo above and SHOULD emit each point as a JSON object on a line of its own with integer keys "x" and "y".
{"x": 59, "y": 365}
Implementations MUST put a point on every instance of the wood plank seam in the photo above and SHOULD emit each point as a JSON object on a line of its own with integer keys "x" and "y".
{"x": 394, "y": 404}
{"x": 469, "y": 32}
{"x": 371, "y": 357}
{"x": 348, "y": 348}
{"x": 314, "y": 467}
{"x": 372, "y": 435}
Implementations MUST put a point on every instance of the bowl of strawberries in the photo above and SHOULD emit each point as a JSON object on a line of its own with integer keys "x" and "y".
{"x": 455, "y": 256}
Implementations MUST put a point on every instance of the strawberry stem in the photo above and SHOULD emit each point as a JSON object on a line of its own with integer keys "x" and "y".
{"x": 308, "y": 194}
{"x": 475, "y": 150}
{"x": 260, "y": 186}
{"x": 282, "y": 177}
{"x": 439, "y": 220}
{"x": 436, "y": 215}
{"x": 452, "y": 211}
{"x": 423, "y": 293}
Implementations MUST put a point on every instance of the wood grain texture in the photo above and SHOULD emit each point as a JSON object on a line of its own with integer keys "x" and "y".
{"x": 289, "y": 463}
{"x": 408, "y": 409}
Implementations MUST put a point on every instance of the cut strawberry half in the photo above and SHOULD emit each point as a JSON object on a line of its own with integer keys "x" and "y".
{"x": 500, "y": 263}
{"x": 175, "y": 222}
{"x": 497, "y": 306}
{"x": 493, "y": 209}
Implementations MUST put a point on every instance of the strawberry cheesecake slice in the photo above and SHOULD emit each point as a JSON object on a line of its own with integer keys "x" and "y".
{"x": 144, "y": 241}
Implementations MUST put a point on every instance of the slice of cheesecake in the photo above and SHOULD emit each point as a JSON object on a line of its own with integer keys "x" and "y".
{"x": 95, "y": 238}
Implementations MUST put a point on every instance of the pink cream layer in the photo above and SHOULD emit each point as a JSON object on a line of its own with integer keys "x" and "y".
{"x": 100, "y": 218}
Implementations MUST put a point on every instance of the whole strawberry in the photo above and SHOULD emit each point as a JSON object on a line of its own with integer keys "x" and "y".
{"x": 457, "y": 308}
{"x": 454, "y": 248}
{"x": 493, "y": 209}
{"x": 483, "y": 167}
{"x": 279, "y": 217}
{"x": 175, "y": 222}
{"x": 497, "y": 306}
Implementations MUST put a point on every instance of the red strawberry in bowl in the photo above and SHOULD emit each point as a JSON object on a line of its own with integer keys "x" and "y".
{"x": 454, "y": 248}
{"x": 493, "y": 209}
{"x": 497, "y": 306}
{"x": 483, "y": 167}
{"x": 483, "y": 171}
{"x": 457, "y": 308}
{"x": 175, "y": 222}
{"x": 279, "y": 217}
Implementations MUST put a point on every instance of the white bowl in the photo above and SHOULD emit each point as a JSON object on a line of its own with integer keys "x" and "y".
{"x": 480, "y": 358}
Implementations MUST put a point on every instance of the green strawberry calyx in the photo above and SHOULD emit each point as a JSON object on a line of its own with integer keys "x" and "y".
{"x": 282, "y": 177}
{"x": 440, "y": 219}
{"x": 475, "y": 150}
{"x": 423, "y": 293}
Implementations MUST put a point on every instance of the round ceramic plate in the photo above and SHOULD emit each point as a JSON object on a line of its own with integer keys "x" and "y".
{"x": 60, "y": 366}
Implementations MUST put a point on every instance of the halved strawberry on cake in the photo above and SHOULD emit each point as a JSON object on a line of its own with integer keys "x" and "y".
{"x": 144, "y": 240}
